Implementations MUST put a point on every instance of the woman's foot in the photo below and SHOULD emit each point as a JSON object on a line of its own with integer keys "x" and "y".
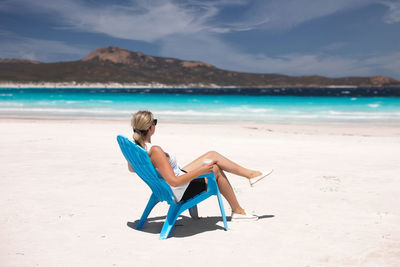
{"x": 238, "y": 217}
{"x": 259, "y": 176}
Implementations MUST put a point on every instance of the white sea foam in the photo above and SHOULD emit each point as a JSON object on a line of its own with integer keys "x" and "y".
{"x": 11, "y": 104}
{"x": 11, "y": 107}
{"x": 189, "y": 112}
{"x": 228, "y": 114}
{"x": 65, "y": 111}
{"x": 353, "y": 98}
{"x": 259, "y": 110}
{"x": 354, "y": 117}
{"x": 47, "y": 103}
{"x": 55, "y": 102}
{"x": 6, "y": 94}
{"x": 360, "y": 113}
{"x": 244, "y": 109}
{"x": 373, "y": 105}
{"x": 231, "y": 112}
{"x": 291, "y": 116}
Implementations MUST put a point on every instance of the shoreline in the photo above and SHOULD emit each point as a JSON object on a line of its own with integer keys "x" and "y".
{"x": 110, "y": 85}
{"x": 297, "y": 128}
{"x": 116, "y": 85}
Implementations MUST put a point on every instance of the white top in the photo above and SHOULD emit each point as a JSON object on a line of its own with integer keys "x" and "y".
{"x": 179, "y": 190}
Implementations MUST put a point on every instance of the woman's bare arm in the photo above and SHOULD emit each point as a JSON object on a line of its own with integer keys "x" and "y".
{"x": 160, "y": 161}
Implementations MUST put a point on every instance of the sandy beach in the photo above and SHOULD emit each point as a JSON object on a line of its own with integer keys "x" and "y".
{"x": 67, "y": 198}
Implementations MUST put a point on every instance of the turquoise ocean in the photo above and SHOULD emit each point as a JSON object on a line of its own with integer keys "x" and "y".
{"x": 192, "y": 107}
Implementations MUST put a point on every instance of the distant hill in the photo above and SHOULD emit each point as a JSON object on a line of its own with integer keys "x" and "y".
{"x": 113, "y": 64}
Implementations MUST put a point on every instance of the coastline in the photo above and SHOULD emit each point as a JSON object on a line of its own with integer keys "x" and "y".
{"x": 90, "y": 85}
{"x": 296, "y": 128}
{"x": 155, "y": 85}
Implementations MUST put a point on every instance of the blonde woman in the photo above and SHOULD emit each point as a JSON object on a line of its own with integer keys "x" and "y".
{"x": 182, "y": 181}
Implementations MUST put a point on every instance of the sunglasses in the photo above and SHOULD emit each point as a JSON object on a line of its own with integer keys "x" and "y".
{"x": 155, "y": 122}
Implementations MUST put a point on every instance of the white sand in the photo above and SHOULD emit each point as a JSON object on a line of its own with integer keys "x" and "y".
{"x": 67, "y": 198}
{"x": 85, "y": 85}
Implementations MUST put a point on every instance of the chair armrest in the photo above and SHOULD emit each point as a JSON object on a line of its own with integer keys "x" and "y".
{"x": 209, "y": 176}
{"x": 212, "y": 183}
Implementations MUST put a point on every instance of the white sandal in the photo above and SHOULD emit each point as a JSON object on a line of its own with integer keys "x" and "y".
{"x": 237, "y": 217}
{"x": 256, "y": 179}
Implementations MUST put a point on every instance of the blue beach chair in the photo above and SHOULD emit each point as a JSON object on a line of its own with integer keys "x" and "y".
{"x": 140, "y": 162}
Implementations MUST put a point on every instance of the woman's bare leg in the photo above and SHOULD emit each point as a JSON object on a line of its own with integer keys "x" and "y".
{"x": 224, "y": 163}
{"x": 226, "y": 190}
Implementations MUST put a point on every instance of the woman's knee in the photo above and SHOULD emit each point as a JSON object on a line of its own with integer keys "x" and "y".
{"x": 212, "y": 154}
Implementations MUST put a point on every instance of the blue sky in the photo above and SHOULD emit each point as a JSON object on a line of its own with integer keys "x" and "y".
{"x": 333, "y": 38}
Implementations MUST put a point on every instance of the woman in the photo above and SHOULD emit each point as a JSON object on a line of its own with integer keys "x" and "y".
{"x": 182, "y": 181}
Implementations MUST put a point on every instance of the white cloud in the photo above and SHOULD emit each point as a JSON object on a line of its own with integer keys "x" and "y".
{"x": 36, "y": 49}
{"x": 278, "y": 14}
{"x": 155, "y": 19}
{"x": 282, "y": 14}
{"x": 139, "y": 20}
{"x": 149, "y": 25}
{"x": 212, "y": 50}
{"x": 393, "y": 15}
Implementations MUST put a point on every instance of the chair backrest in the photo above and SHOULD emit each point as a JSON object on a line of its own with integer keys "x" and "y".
{"x": 140, "y": 162}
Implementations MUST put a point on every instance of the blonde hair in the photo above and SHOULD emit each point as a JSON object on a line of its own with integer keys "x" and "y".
{"x": 141, "y": 122}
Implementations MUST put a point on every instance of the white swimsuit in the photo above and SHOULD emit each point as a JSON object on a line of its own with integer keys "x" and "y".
{"x": 179, "y": 190}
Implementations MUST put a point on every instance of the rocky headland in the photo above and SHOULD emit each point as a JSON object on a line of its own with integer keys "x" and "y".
{"x": 120, "y": 68}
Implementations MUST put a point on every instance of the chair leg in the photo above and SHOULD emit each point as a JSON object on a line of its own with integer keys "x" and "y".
{"x": 150, "y": 205}
{"x": 193, "y": 212}
{"x": 169, "y": 221}
{"x": 221, "y": 207}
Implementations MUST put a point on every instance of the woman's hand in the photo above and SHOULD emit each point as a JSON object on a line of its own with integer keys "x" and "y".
{"x": 207, "y": 167}
{"x": 160, "y": 162}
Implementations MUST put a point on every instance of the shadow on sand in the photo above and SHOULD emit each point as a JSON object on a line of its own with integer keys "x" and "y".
{"x": 185, "y": 226}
